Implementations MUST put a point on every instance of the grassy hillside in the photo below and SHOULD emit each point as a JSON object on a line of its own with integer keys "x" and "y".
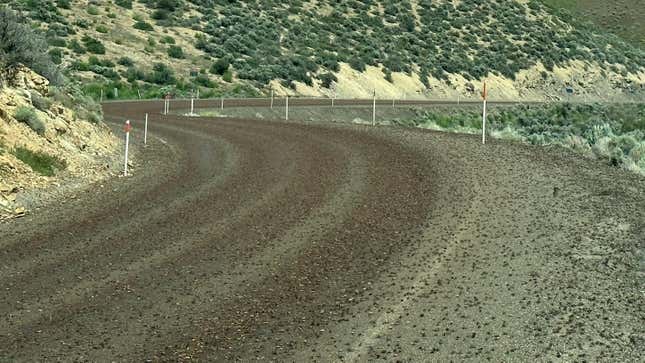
{"x": 625, "y": 18}
{"x": 154, "y": 46}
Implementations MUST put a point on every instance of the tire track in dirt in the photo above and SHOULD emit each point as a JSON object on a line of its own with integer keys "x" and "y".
{"x": 313, "y": 165}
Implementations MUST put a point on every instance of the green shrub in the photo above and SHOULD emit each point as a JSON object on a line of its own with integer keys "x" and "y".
{"x": 160, "y": 14}
{"x": 102, "y": 29}
{"x": 92, "y": 10}
{"x": 82, "y": 23}
{"x": 39, "y": 162}
{"x": 167, "y": 40}
{"x": 19, "y": 44}
{"x": 80, "y": 66}
{"x": 56, "y": 55}
{"x": 40, "y": 102}
{"x": 327, "y": 79}
{"x": 150, "y": 47}
{"x": 28, "y": 116}
{"x": 388, "y": 75}
{"x": 63, "y": 4}
{"x": 132, "y": 74}
{"x": 161, "y": 74}
{"x": 142, "y": 25}
{"x": 221, "y": 66}
{"x": 228, "y": 76}
{"x": 125, "y": 61}
{"x": 57, "y": 42}
{"x": 76, "y": 47}
{"x": 126, "y": 4}
{"x": 204, "y": 81}
{"x": 93, "y": 45}
{"x": 175, "y": 52}
{"x": 168, "y": 5}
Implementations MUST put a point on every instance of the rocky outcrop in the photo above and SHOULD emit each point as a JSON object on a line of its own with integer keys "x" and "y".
{"x": 21, "y": 77}
{"x": 85, "y": 148}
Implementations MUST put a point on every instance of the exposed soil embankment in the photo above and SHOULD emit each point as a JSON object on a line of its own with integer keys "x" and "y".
{"x": 44, "y": 144}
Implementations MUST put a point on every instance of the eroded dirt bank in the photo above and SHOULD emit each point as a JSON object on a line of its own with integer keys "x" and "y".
{"x": 242, "y": 239}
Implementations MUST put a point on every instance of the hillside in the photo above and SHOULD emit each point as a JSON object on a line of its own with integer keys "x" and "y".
{"x": 625, "y": 18}
{"x": 47, "y": 138}
{"x": 422, "y": 49}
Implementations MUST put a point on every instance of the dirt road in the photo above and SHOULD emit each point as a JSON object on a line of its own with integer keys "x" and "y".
{"x": 242, "y": 240}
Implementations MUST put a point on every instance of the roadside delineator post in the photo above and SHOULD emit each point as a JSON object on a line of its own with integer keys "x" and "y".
{"x": 222, "y": 103}
{"x": 484, "y": 96}
{"x": 272, "y": 99}
{"x": 127, "y": 129}
{"x": 374, "y": 109}
{"x": 192, "y": 106}
{"x": 286, "y": 112}
{"x": 166, "y": 104}
{"x": 145, "y": 131}
{"x": 101, "y": 98}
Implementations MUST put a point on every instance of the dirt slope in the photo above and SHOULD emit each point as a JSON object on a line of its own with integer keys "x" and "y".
{"x": 241, "y": 239}
{"x": 85, "y": 148}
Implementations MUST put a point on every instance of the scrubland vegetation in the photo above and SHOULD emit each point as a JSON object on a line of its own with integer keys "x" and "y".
{"x": 621, "y": 17}
{"x": 298, "y": 41}
{"x": 615, "y": 133}
{"x": 19, "y": 44}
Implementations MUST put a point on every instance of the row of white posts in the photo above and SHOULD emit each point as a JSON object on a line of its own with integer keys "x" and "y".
{"x": 166, "y": 110}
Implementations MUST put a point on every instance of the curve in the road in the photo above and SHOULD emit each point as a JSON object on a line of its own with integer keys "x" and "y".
{"x": 244, "y": 240}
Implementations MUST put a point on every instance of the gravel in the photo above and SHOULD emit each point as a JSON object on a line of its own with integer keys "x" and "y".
{"x": 241, "y": 239}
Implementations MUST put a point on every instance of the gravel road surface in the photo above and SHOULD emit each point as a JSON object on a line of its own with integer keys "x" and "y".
{"x": 254, "y": 240}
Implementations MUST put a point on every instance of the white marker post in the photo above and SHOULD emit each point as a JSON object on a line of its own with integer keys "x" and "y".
{"x": 192, "y": 106}
{"x": 222, "y": 103}
{"x": 101, "y": 99}
{"x": 272, "y": 99}
{"x": 116, "y": 92}
{"x": 127, "y": 129}
{"x": 166, "y": 104}
{"x": 286, "y": 112}
{"x": 139, "y": 93}
{"x": 374, "y": 110}
{"x": 484, "y": 96}
{"x": 145, "y": 131}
